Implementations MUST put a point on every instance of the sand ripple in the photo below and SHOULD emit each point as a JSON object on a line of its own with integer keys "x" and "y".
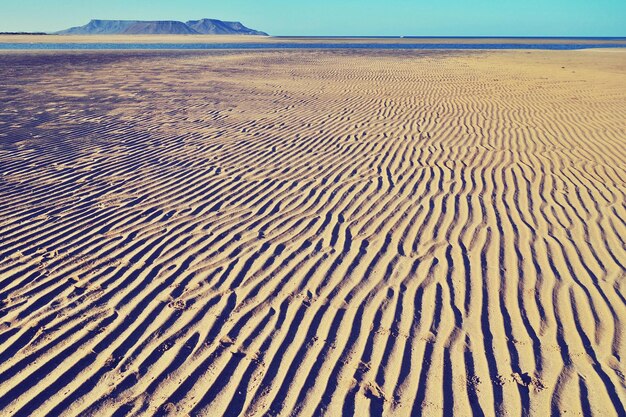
{"x": 308, "y": 233}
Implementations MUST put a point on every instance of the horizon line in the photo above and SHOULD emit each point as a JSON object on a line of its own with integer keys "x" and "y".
{"x": 623, "y": 37}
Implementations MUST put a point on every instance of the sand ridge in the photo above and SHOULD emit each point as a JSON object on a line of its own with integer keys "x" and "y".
{"x": 313, "y": 233}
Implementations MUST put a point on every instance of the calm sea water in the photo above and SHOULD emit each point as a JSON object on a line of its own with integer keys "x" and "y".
{"x": 313, "y": 45}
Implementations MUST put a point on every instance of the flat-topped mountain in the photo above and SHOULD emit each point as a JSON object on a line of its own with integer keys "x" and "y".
{"x": 161, "y": 27}
{"x": 218, "y": 27}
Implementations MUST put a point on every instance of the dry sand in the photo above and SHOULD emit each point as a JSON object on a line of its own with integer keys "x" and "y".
{"x": 313, "y": 233}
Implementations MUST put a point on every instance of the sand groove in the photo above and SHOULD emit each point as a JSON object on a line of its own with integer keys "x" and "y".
{"x": 313, "y": 233}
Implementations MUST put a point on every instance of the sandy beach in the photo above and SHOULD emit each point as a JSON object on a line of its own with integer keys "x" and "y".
{"x": 307, "y": 233}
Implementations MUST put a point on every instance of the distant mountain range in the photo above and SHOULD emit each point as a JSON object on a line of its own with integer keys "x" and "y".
{"x": 166, "y": 27}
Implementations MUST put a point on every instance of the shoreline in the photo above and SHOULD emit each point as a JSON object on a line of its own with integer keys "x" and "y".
{"x": 213, "y": 39}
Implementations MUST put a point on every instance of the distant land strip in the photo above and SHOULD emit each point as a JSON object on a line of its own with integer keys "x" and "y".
{"x": 23, "y": 33}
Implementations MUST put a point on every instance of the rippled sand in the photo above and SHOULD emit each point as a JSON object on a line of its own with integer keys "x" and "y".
{"x": 309, "y": 233}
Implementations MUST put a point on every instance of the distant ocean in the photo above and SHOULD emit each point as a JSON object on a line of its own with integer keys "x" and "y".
{"x": 528, "y": 43}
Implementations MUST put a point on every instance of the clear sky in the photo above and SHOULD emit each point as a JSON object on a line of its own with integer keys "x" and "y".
{"x": 340, "y": 17}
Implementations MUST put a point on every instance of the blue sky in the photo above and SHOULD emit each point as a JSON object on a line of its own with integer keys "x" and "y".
{"x": 341, "y": 17}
